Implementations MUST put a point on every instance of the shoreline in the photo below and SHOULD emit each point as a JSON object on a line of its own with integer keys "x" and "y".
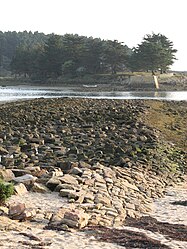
{"x": 138, "y": 82}
{"x": 107, "y": 159}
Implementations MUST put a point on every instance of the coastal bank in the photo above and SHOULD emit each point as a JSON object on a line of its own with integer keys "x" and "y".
{"x": 107, "y": 159}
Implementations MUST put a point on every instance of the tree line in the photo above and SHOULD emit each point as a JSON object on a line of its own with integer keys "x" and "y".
{"x": 39, "y": 56}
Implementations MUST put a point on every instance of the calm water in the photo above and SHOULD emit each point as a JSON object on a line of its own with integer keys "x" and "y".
{"x": 15, "y": 93}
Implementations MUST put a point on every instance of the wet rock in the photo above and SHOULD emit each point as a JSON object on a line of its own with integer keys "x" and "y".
{"x": 65, "y": 166}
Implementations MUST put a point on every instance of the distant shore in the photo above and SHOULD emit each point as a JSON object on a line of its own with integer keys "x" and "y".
{"x": 137, "y": 82}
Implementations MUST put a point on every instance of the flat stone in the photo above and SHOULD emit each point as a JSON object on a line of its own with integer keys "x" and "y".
{"x": 66, "y": 192}
{"x": 129, "y": 185}
{"x": 3, "y": 151}
{"x": 76, "y": 171}
{"x": 40, "y": 188}
{"x": 20, "y": 189}
{"x": 27, "y": 180}
{"x": 130, "y": 206}
{"x": 69, "y": 179}
{"x": 57, "y": 173}
{"x": 76, "y": 219}
{"x": 102, "y": 199}
{"x": 109, "y": 180}
{"x": 65, "y": 186}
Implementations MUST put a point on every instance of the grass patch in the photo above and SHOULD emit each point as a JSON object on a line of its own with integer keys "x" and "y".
{"x": 6, "y": 190}
{"x": 170, "y": 119}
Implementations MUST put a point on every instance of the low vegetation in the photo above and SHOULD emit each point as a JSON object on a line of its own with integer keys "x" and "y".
{"x": 6, "y": 190}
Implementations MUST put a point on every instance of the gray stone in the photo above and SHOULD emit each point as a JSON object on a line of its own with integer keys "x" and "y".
{"x": 65, "y": 186}
{"x": 53, "y": 183}
{"x": 76, "y": 171}
{"x": 27, "y": 180}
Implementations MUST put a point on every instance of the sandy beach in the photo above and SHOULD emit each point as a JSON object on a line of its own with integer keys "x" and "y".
{"x": 30, "y": 235}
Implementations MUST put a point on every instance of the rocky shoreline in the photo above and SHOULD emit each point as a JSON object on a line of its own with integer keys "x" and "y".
{"x": 99, "y": 156}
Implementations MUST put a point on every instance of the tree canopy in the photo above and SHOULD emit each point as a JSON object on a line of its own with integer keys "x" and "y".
{"x": 41, "y": 56}
{"x": 70, "y": 55}
{"x": 156, "y": 52}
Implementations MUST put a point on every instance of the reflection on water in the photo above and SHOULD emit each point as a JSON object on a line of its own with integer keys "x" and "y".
{"x": 9, "y": 94}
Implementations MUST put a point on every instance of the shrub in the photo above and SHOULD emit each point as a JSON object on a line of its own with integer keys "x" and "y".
{"x": 6, "y": 190}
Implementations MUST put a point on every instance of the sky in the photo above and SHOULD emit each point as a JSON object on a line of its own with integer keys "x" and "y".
{"x": 127, "y": 21}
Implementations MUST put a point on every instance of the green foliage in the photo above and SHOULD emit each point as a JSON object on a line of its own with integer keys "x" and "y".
{"x": 39, "y": 57}
{"x": 11, "y": 41}
{"x": 6, "y": 190}
{"x": 68, "y": 68}
{"x": 52, "y": 56}
{"x": 115, "y": 55}
{"x": 154, "y": 53}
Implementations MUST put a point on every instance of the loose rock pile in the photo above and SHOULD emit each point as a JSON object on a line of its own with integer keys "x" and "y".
{"x": 96, "y": 153}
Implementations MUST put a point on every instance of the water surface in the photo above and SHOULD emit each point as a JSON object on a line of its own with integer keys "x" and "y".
{"x": 19, "y": 93}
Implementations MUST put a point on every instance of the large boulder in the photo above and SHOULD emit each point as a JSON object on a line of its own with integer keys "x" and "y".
{"x": 18, "y": 211}
{"x": 72, "y": 218}
{"x": 75, "y": 219}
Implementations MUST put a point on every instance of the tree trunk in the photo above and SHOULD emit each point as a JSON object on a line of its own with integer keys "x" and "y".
{"x": 153, "y": 73}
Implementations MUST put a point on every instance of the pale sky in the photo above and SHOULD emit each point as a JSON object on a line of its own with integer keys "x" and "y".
{"x": 127, "y": 21}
